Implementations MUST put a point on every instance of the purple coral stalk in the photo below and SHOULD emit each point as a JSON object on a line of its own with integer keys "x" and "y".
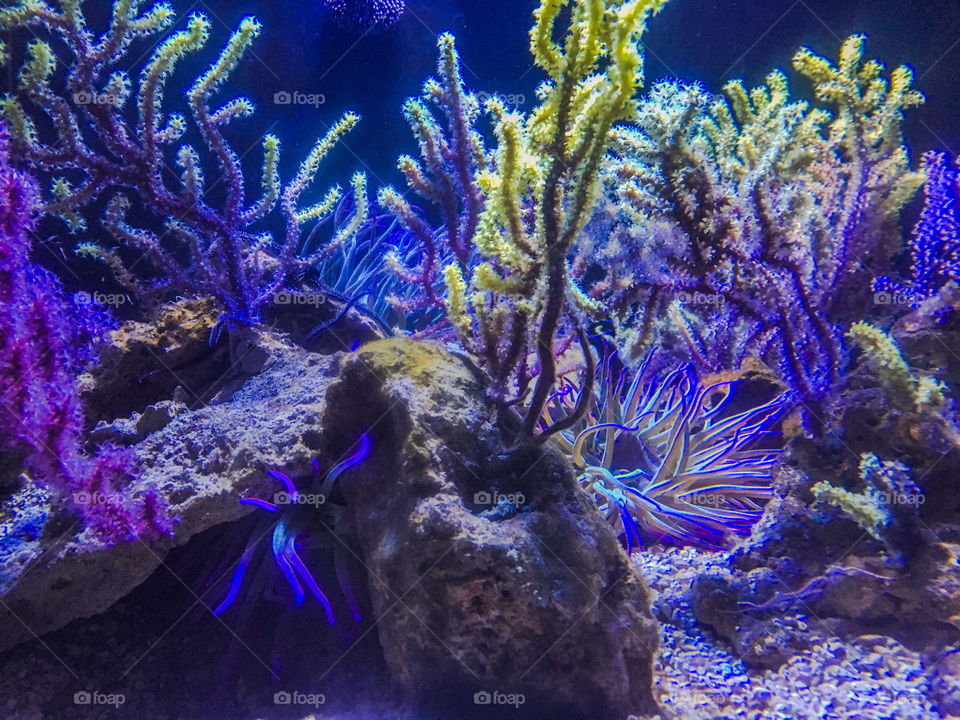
{"x": 41, "y": 414}
{"x": 935, "y": 246}
{"x": 452, "y": 156}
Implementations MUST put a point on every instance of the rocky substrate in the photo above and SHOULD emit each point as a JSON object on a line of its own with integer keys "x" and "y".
{"x": 481, "y": 571}
{"x": 475, "y": 571}
{"x": 700, "y": 675}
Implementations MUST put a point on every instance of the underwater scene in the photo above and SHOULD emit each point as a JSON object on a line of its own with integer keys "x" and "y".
{"x": 479, "y": 360}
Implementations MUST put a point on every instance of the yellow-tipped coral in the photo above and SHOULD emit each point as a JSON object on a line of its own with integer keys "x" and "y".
{"x": 512, "y": 215}
{"x": 888, "y": 498}
{"x": 884, "y": 354}
{"x": 731, "y": 226}
{"x": 91, "y": 140}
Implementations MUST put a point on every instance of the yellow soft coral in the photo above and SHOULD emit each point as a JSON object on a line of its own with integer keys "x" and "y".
{"x": 868, "y": 116}
{"x": 549, "y": 162}
{"x": 882, "y": 351}
{"x": 771, "y": 206}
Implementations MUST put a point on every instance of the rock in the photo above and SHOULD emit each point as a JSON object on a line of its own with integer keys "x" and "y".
{"x": 700, "y": 676}
{"x": 200, "y": 460}
{"x": 145, "y": 361}
{"x": 929, "y": 334}
{"x": 761, "y": 639}
{"x": 486, "y": 577}
{"x": 945, "y": 684}
{"x": 127, "y": 431}
{"x": 827, "y": 566}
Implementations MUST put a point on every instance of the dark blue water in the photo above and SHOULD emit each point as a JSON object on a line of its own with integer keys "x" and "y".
{"x": 714, "y": 41}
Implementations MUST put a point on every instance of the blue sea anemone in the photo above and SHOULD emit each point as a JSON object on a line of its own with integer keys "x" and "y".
{"x": 667, "y": 459}
{"x": 366, "y": 15}
{"x": 296, "y": 519}
{"x": 359, "y": 274}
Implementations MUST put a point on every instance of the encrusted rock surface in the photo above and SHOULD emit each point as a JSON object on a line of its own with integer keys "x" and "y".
{"x": 485, "y": 576}
{"x": 701, "y": 675}
{"x": 145, "y": 362}
{"x": 200, "y": 460}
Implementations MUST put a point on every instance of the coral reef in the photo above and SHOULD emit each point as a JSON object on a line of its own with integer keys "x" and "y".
{"x": 896, "y": 404}
{"x": 452, "y": 156}
{"x": 751, "y": 217}
{"x": 888, "y": 507}
{"x": 925, "y": 392}
{"x": 677, "y": 319}
{"x": 94, "y": 153}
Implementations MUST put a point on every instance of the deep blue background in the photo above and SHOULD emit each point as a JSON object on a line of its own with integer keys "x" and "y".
{"x": 302, "y": 50}
{"x": 712, "y": 41}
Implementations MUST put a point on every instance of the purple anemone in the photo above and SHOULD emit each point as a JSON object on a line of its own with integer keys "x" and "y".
{"x": 294, "y": 510}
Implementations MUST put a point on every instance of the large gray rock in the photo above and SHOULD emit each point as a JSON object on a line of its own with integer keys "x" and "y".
{"x": 201, "y": 461}
{"x": 486, "y": 577}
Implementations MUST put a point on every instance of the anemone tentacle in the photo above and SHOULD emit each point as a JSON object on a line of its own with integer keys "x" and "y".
{"x": 666, "y": 458}
{"x": 288, "y": 528}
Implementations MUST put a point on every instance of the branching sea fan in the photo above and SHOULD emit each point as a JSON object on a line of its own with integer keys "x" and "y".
{"x": 669, "y": 460}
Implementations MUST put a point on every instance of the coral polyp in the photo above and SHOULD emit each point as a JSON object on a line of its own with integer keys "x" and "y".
{"x": 295, "y": 510}
{"x": 667, "y": 459}
{"x": 366, "y": 15}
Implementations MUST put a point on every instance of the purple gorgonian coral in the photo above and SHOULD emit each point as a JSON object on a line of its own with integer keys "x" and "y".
{"x": 105, "y": 143}
{"x": 44, "y": 342}
{"x": 935, "y": 245}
